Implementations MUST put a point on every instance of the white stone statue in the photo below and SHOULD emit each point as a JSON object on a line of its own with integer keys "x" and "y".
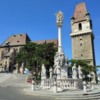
{"x": 59, "y": 59}
{"x": 80, "y": 72}
{"x": 43, "y": 75}
{"x": 57, "y": 70}
{"x": 64, "y": 70}
{"x": 51, "y": 72}
{"x": 56, "y": 59}
{"x": 74, "y": 72}
{"x": 43, "y": 72}
{"x": 59, "y": 18}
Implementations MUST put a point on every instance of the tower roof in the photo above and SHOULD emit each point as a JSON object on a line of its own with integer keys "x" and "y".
{"x": 80, "y": 12}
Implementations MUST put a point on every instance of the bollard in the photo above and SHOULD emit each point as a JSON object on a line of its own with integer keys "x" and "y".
{"x": 55, "y": 86}
{"x": 33, "y": 85}
{"x": 84, "y": 86}
{"x": 92, "y": 86}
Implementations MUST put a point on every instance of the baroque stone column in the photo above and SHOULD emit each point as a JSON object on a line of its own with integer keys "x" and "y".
{"x": 59, "y": 22}
{"x": 60, "y": 61}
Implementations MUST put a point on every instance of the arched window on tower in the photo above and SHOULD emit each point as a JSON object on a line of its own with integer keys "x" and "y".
{"x": 80, "y": 26}
{"x": 90, "y": 24}
{"x": 2, "y": 54}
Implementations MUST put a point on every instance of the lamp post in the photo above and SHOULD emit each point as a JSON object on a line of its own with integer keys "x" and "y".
{"x": 84, "y": 86}
{"x": 55, "y": 82}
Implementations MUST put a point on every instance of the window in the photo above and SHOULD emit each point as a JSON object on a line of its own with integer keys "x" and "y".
{"x": 6, "y": 62}
{"x": 2, "y": 54}
{"x": 80, "y": 38}
{"x": 90, "y": 24}
{"x": 17, "y": 41}
{"x": 81, "y": 55}
{"x": 80, "y": 44}
{"x": 80, "y": 26}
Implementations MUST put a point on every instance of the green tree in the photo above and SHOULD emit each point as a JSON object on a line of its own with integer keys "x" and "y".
{"x": 86, "y": 68}
{"x": 34, "y": 55}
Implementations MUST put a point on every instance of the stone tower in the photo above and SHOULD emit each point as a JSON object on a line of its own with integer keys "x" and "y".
{"x": 82, "y": 35}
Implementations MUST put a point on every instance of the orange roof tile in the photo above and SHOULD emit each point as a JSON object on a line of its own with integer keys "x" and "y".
{"x": 80, "y": 12}
{"x": 55, "y": 41}
{"x": 17, "y": 39}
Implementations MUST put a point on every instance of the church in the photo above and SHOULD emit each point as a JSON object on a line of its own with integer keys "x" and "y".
{"x": 81, "y": 34}
{"x": 10, "y": 47}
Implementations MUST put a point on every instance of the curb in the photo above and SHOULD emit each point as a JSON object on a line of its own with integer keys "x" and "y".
{"x": 57, "y": 96}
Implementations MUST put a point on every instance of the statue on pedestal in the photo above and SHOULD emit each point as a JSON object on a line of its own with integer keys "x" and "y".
{"x": 43, "y": 75}
{"x": 74, "y": 72}
{"x": 59, "y": 18}
{"x": 80, "y": 72}
{"x": 51, "y": 72}
{"x": 43, "y": 72}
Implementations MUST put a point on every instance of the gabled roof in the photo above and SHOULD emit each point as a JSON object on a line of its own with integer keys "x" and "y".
{"x": 80, "y": 12}
{"x": 17, "y": 39}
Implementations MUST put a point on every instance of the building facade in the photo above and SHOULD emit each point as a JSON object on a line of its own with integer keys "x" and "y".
{"x": 9, "y": 49}
{"x": 82, "y": 35}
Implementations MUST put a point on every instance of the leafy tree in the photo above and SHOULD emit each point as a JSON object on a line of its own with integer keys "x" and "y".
{"x": 86, "y": 68}
{"x": 34, "y": 55}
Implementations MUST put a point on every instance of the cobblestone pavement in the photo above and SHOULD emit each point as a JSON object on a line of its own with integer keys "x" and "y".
{"x": 15, "y": 82}
{"x": 12, "y": 85}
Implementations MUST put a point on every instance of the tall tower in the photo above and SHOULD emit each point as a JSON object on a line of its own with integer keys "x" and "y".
{"x": 82, "y": 35}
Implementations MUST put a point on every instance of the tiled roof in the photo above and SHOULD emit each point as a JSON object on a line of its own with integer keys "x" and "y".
{"x": 80, "y": 12}
{"x": 17, "y": 39}
{"x": 55, "y": 41}
{"x": 21, "y": 39}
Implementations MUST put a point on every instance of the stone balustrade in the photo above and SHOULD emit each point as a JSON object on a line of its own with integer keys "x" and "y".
{"x": 63, "y": 84}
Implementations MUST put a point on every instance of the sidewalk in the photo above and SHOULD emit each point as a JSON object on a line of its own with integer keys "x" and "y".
{"x": 69, "y": 94}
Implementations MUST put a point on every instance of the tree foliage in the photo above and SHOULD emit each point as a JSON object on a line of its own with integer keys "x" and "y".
{"x": 34, "y": 55}
{"x": 86, "y": 67}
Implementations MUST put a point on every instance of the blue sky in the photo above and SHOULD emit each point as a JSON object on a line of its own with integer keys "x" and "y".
{"x": 37, "y": 19}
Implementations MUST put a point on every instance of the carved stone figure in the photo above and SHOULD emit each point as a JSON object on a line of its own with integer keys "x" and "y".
{"x": 51, "y": 72}
{"x": 59, "y": 59}
{"x": 43, "y": 72}
{"x": 74, "y": 72}
{"x": 43, "y": 75}
{"x": 80, "y": 72}
{"x": 59, "y": 16}
{"x": 64, "y": 70}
